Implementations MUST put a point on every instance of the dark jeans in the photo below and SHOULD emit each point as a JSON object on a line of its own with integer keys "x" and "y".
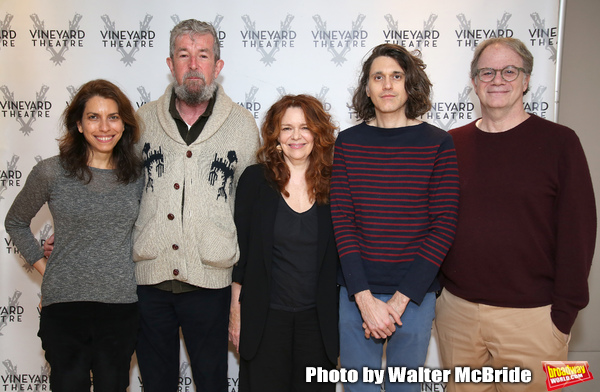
{"x": 203, "y": 316}
{"x": 291, "y": 342}
{"x": 83, "y": 336}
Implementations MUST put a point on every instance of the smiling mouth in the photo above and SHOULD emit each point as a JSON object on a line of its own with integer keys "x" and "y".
{"x": 104, "y": 139}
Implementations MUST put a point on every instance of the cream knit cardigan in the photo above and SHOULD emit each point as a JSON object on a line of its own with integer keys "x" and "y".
{"x": 197, "y": 242}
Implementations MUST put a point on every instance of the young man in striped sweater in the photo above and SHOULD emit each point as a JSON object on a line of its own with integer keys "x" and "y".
{"x": 394, "y": 203}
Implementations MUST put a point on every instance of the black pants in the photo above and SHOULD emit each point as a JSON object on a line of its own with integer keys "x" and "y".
{"x": 203, "y": 316}
{"x": 80, "y": 337}
{"x": 291, "y": 342}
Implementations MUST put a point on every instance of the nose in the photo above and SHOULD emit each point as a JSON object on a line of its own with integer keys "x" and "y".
{"x": 498, "y": 78}
{"x": 193, "y": 63}
{"x": 296, "y": 134}
{"x": 104, "y": 125}
{"x": 387, "y": 83}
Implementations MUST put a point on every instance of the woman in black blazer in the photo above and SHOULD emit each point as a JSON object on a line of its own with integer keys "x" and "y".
{"x": 284, "y": 297}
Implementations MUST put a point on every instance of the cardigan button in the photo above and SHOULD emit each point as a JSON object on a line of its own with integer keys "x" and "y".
{"x": 175, "y": 247}
{"x": 175, "y": 272}
{"x": 170, "y": 216}
{"x": 188, "y": 154}
{"x": 176, "y": 186}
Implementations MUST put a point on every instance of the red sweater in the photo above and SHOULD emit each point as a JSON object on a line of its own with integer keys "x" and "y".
{"x": 527, "y": 219}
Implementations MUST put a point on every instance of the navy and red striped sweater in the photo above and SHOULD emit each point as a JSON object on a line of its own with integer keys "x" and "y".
{"x": 394, "y": 205}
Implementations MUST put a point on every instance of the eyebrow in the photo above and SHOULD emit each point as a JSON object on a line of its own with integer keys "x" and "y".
{"x": 381, "y": 73}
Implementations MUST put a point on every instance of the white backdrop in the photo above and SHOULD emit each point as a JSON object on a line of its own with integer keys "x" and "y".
{"x": 48, "y": 49}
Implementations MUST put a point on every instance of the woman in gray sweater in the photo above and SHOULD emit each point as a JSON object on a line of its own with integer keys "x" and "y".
{"x": 93, "y": 187}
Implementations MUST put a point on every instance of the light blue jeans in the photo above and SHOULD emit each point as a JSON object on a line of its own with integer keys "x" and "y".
{"x": 407, "y": 347}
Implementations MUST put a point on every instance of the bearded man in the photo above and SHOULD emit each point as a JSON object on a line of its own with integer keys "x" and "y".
{"x": 196, "y": 143}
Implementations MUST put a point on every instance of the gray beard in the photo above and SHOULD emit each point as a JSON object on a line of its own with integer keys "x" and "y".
{"x": 195, "y": 96}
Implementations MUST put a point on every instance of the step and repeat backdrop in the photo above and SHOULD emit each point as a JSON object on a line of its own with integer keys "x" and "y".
{"x": 48, "y": 49}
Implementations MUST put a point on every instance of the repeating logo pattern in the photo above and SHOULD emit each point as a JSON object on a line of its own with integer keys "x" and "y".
{"x": 467, "y": 37}
{"x": 416, "y": 39}
{"x": 25, "y": 112}
{"x": 12, "y": 380}
{"x": 268, "y": 42}
{"x": 57, "y": 42}
{"x": 446, "y": 114}
{"x": 7, "y": 35}
{"x": 127, "y": 42}
{"x": 339, "y": 42}
{"x": 542, "y": 36}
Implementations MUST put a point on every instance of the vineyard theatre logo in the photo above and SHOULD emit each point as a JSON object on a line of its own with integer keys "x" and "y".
{"x": 216, "y": 24}
{"x": 11, "y": 249}
{"x": 536, "y": 105}
{"x": 351, "y": 113}
{"x": 11, "y": 176}
{"x": 12, "y": 380}
{"x": 7, "y": 35}
{"x": 25, "y": 112}
{"x": 127, "y": 42}
{"x": 321, "y": 96}
{"x": 467, "y": 37}
{"x": 233, "y": 384}
{"x": 445, "y": 114}
{"x": 144, "y": 97}
{"x": 185, "y": 379}
{"x": 57, "y": 41}
{"x": 268, "y": 42}
{"x": 339, "y": 42}
{"x": 251, "y": 103}
{"x": 11, "y": 312}
{"x": 540, "y": 35}
{"x": 428, "y": 37}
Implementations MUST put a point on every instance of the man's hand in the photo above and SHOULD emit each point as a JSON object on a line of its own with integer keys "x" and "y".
{"x": 399, "y": 302}
{"x": 379, "y": 318}
{"x": 48, "y": 246}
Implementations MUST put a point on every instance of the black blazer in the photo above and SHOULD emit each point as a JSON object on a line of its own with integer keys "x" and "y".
{"x": 255, "y": 210}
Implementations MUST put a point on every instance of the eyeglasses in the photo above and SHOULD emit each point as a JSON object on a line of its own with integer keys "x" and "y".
{"x": 509, "y": 73}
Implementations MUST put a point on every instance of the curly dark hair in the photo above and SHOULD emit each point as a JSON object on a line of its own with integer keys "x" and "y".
{"x": 74, "y": 149}
{"x": 319, "y": 122}
{"x": 417, "y": 84}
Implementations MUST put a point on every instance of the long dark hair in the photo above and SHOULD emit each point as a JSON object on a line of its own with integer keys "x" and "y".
{"x": 417, "y": 84}
{"x": 318, "y": 174}
{"x": 74, "y": 149}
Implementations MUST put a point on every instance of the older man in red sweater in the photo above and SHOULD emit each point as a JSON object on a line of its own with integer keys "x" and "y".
{"x": 517, "y": 273}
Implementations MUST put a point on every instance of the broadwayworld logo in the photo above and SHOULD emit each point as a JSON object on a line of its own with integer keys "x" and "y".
{"x": 563, "y": 374}
{"x": 57, "y": 41}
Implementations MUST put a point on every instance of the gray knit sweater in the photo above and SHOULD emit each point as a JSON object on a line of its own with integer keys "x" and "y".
{"x": 91, "y": 260}
{"x": 185, "y": 230}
